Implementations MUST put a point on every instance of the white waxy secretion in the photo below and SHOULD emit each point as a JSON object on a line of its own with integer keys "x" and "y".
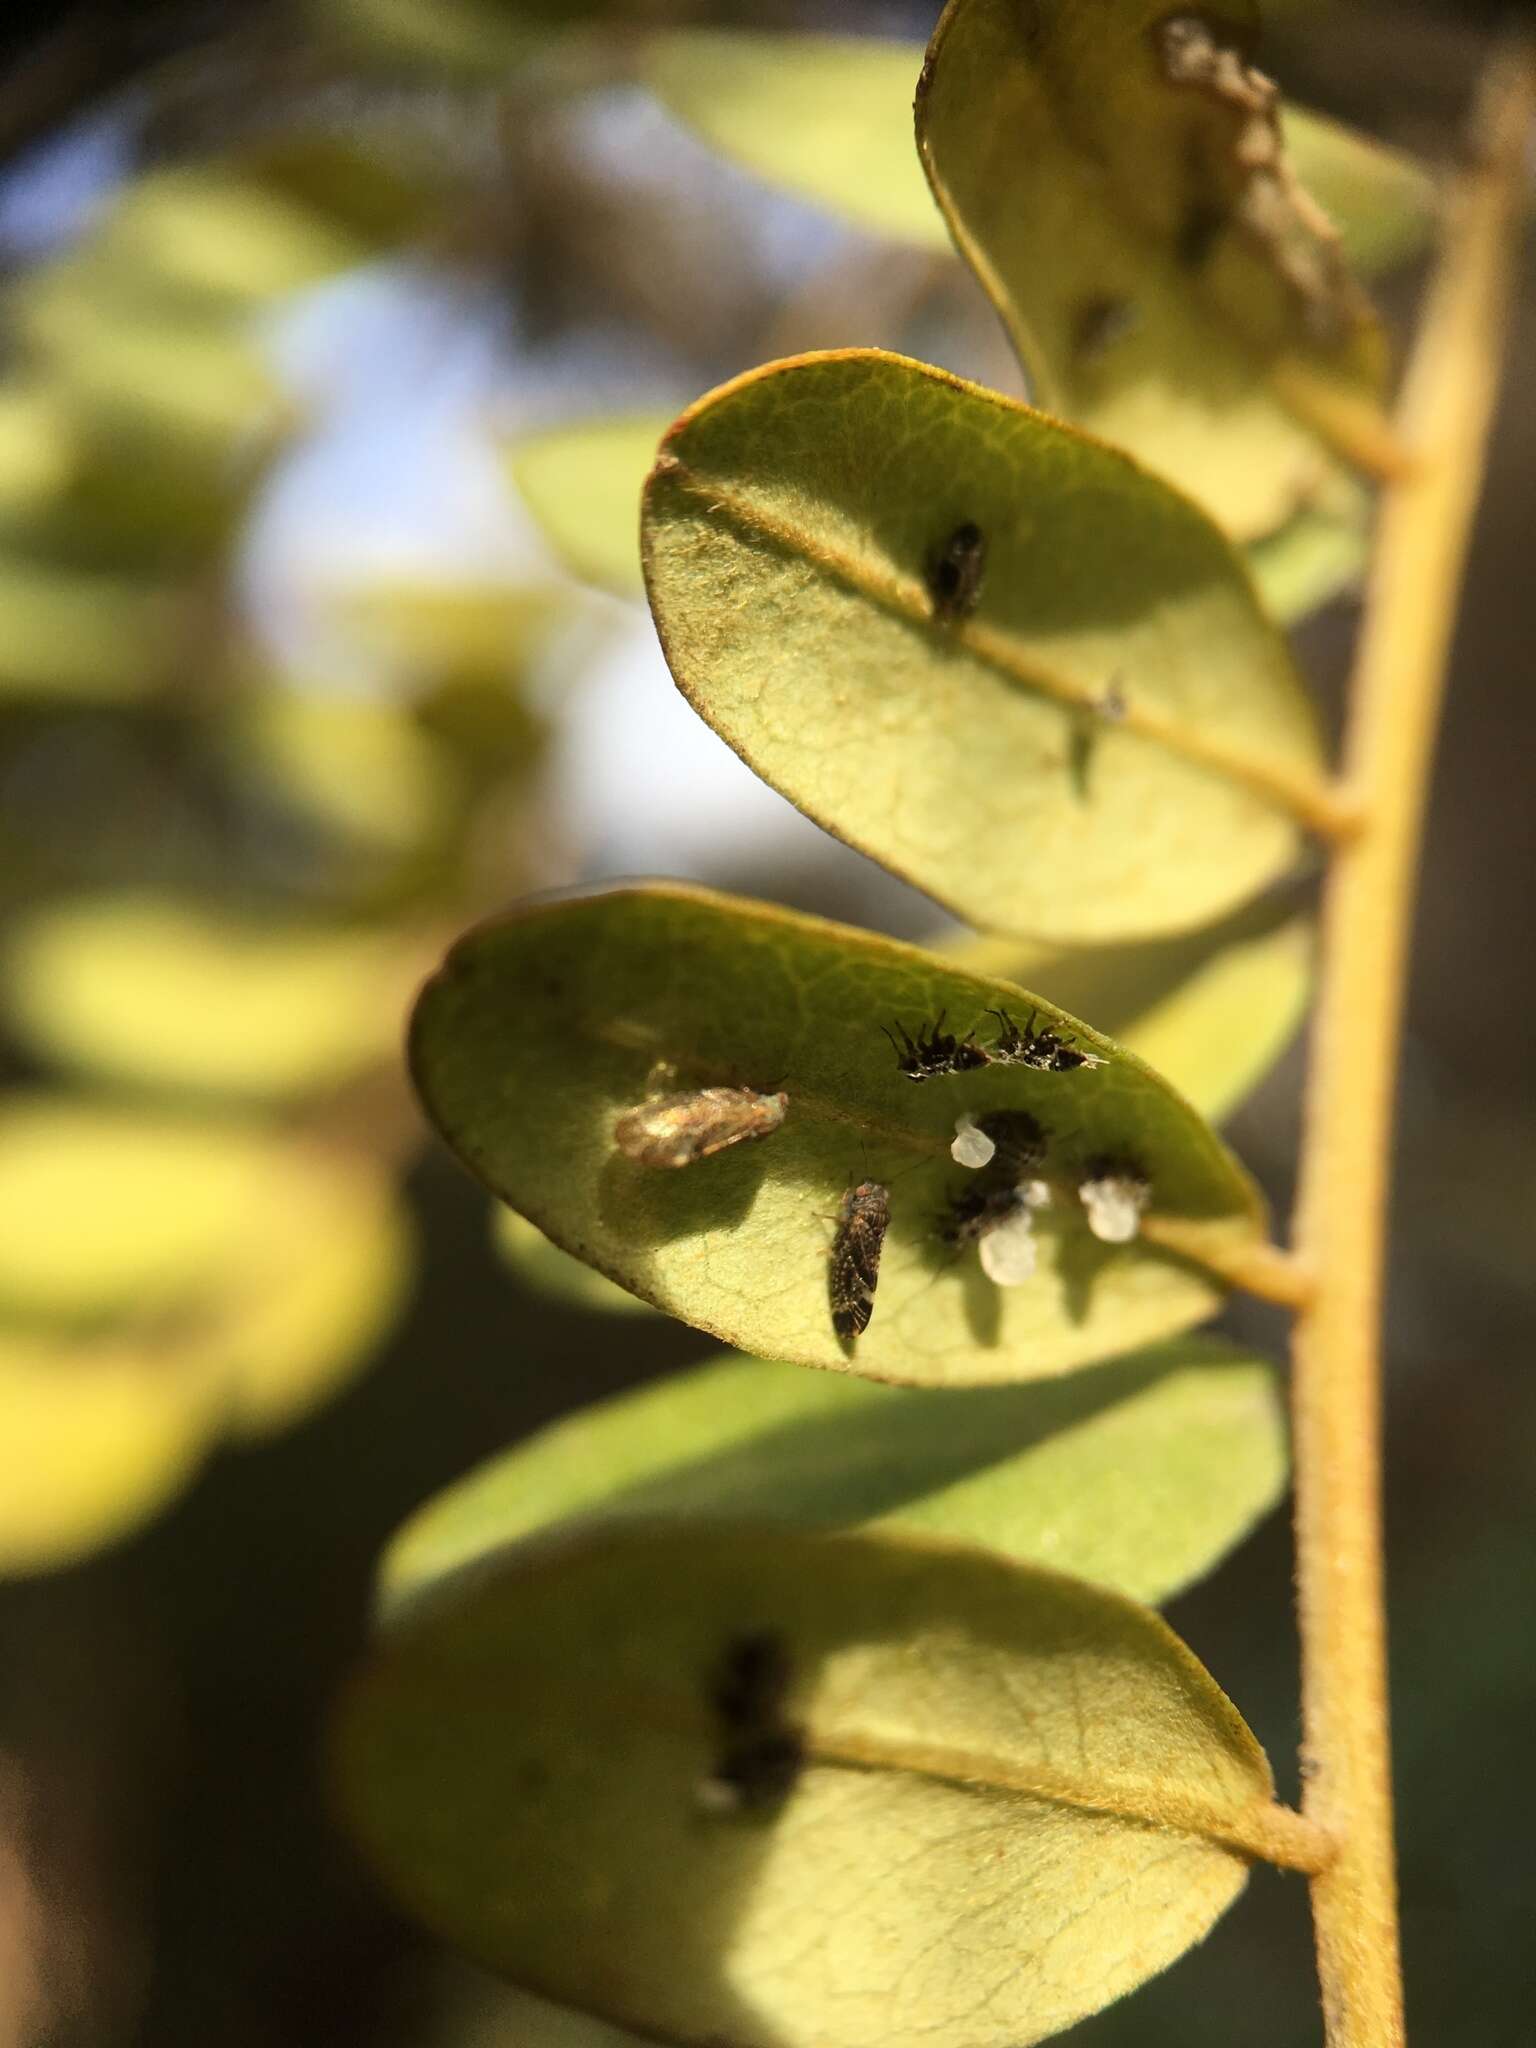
{"x": 972, "y": 1146}
{"x": 1007, "y": 1252}
{"x": 1114, "y": 1203}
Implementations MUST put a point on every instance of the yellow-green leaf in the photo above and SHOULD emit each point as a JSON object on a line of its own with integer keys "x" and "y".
{"x": 83, "y": 634}
{"x": 541, "y": 1030}
{"x": 176, "y": 994}
{"x": 827, "y": 116}
{"x": 1211, "y": 1010}
{"x": 1138, "y": 1476}
{"x": 1110, "y": 740}
{"x": 1320, "y": 552}
{"x": 973, "y": 1801}
{"x": 831, "y": 117}
{"x": 1382, "y": 202}
{"x": 275, "y": 1264}
{"x": 582, "y": 484}
{"x": 1115, "y": 174}
{"x": 544, "y": 1269}
{"x": 94, "y": 1437}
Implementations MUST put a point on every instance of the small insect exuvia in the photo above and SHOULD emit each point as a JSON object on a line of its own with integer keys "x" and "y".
{"x": 1018, "y": 1140}
{"x": 935, "y": 1051}
{"x": 675, "y": 1130}
{"x": 1045, "y": 1050}
{"x": 955, "y": 570}
{"x": 978, "y": 1207}
{"x": 863, "y": 1218}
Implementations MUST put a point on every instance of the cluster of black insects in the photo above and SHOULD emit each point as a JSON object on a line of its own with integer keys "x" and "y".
{"x": 935, "y": 1051}
{"x": 988, "y": 1198}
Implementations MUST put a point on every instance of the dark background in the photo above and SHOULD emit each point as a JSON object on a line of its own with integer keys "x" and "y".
{"x": 166, "y": 1700}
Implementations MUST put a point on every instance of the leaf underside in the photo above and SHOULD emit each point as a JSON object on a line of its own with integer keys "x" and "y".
{"x": 1160, "y": 273}
{"x": 1110, "y": 741}
{"x": 999, "y": 1798}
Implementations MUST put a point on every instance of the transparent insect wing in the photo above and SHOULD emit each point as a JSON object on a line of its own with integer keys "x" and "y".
{"x": 675, "y": 1130}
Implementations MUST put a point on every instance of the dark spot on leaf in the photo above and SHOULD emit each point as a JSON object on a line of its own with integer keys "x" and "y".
{"x": 955, "y": 571}
{"x": 760, "y": 1754}
{"x": 1097, "y": 324}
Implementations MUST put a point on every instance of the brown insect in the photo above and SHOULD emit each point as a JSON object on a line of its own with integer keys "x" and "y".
{"x": 862, "y": 1221}
{"x": 955, "y": 571}
{"x": 675, "y": 1130}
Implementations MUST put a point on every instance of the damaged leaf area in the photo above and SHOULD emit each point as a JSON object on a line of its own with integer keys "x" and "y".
{"x": 545, "y": 1031}
{"x": 998, "y": 657}
{"x": 1118, "y": 177}
{"x": 800, "y": 1791}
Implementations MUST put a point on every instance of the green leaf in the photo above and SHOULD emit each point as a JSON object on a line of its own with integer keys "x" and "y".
{"x": 1319, "y": 553}
{"x": 39, "y": 449}
{"x": 544, "y": 1269}
{"x": 1114, "y": 742}
{"x": 84, "y": 635}
{"x": 174, "y": 994}
{"x": 1382, "y": 202}
{"x": 1138, "y": 1476}
{"x": 274, "y": 1264}
{"x": 1161, "y": 275}
{"x": 1017, "y": 1797}
{"x": 1210, "y": 1010}
{"x": 829, "y": 117}
{"x": 582, "y": 484}
{"x": 542, "y": 1029}
{"x": 96, "y": 1436}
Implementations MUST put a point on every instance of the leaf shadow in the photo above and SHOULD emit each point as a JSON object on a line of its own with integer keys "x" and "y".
{"x": 648, "y": 1206}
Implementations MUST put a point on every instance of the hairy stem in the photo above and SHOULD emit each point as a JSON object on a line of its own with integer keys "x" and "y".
{"x": 1425, "y": 524}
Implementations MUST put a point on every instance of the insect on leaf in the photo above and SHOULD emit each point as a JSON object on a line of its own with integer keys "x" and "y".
{"x": 1079, "y": 724}
{"x": 543, "y": 1030}
{"x": 1115, "y": 172}
{"x": 1211, "y": 1010}
{"x": 1137, "y": 1476}
{"x": 800, "y": 1791}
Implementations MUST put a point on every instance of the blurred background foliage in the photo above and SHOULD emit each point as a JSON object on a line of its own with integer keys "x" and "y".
{"x": 336, "y": 336}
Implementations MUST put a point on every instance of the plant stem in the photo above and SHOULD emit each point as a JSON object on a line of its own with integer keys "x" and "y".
{"x": 1340, "y": 1229}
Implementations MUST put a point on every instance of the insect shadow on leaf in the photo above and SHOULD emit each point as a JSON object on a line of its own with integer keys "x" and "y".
{"x": 955, "y": 571}
{"x": 760, "y": 1753}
